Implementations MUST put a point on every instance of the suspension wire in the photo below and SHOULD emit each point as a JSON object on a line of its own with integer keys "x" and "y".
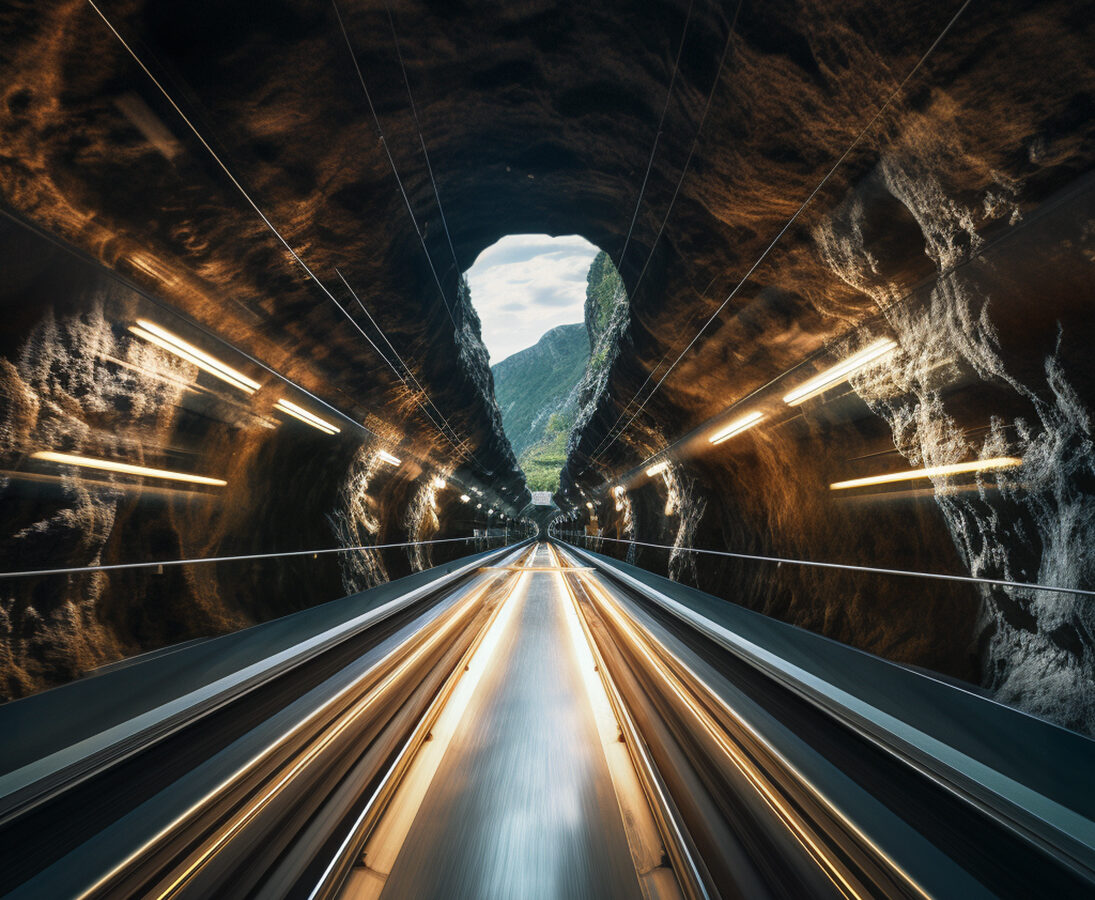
{"x": 421, "y": 139}
{"x": 453, "y": 438}
{"x": 391, "y": 163}
{"x": 787, "y": 225}
{"x": 873, "y": 570}
{"x": 224, "y": 168}
{"x": 75, "y": 570}
{"x": 657, "y": 136}
{"x": 680, "y": 180}
{"x": 983, "y": 250}
{"x": 402, "y": 189}
{"x": 156, "y": 301}
{"x": 649, "y": 375}
{"x": 409, "y": 374}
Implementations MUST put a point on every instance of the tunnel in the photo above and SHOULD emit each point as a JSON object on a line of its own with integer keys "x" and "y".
{"x": 765, "y": 568}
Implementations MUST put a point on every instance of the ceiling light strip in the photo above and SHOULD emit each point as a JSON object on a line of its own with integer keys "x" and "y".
{"x": 212, "y": 361}
{"x": 303, "y": 415}
{"x": 109, "y": 465}
{"x": 736, "y": 427}
{"x": 841, "y": 371}
{"x": 980, "y": 465}
{"x": 188, "y": 357}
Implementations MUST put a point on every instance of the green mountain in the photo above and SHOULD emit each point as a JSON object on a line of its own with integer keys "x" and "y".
{"x": 537, "y": 391}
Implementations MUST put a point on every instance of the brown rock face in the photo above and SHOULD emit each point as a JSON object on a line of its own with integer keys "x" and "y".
{"x": 256, "y": 175}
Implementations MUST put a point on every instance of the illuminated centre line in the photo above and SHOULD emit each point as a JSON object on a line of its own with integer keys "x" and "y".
{"x": 389, "y": 834}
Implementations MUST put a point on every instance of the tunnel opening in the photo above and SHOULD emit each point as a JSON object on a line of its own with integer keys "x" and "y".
{"x": 551, "y": 310}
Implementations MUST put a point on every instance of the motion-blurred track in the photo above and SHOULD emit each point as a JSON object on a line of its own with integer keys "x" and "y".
{"x": 536, "y": 721}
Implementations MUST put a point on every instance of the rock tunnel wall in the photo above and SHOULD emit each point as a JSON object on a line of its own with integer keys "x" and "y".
{"x": 958, "y": 221}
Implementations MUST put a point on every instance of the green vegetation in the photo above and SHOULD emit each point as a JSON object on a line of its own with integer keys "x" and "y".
{"x": 534, "y": 383}
{"x": 538, "y": 389}
{"x": 604, "y": 292}
{"x": 543, "y": 461}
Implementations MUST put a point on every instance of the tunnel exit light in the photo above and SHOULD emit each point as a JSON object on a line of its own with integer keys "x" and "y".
{"x": 176, "y": 346}
{"x": 979, "y": 465}
{"x": 109, "y": 465}
{"x": 299, "y": 412}
{"x": 736, "y": 427}
{"x": 841, "y": 371}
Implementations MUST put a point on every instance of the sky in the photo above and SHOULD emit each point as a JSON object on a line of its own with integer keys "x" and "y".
{"x": 526, "y": 284}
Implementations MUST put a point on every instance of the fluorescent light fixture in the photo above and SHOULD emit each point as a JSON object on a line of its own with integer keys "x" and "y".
{"x": 175, "y": 345}
{"x": 979, "y": 465}
{"x": 439, "y": 483}
{"x": 388, "y": 458}
{"x": 841, "y": 371}
{"x": 478, "y": 505}
{"x": 658, "y": 468}
{"x": 299, "y": 412}
{"x": 490, "y": 512}
{"x": 152, "y": 266}
{"x": 736, "y": 427}
{"x": 109, "y": 465}
{"x": 464, "y": 498}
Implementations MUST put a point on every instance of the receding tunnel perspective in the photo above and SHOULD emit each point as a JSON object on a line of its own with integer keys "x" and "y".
{"x": 547, "y": 450}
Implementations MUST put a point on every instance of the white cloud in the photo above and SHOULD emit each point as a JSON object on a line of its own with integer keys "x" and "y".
{"x": 526, "y": 284}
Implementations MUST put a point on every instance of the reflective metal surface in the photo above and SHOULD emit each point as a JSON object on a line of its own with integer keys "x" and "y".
{"x": 522, "y": 804}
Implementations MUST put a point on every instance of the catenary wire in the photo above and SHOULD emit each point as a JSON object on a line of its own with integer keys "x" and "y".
{"x": 872, "y": 570}
{"x": 794, "y": 217}
{"x": 224, "y": 168}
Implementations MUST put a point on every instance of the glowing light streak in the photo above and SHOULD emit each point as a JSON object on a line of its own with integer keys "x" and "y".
{"x": 841, "y": 371}
{"x": 175, "y": 345}
{"x": 388, "y": 458}
{"x": 301, "y": 414}
{"x": 109, "y": 465}
{"x": 736, "y": 427}
{"x": 657, "y": 468}
{"x": 977, "y": 465}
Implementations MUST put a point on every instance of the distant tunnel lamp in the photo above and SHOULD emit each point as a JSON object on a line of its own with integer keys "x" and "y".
{"x": 589, "y": 505}
{"x": 657, "y": 468}
{"x": 109, "y": 465}
{"x": 440, "y": 483}
{"x": 736, "y": 427}
{"x": 464, "y": 498}
{"x": 388, "y": 458}
{"x": 841, "y": 371}
{"x": 301, "y": 414}
{"x": 979, "y": 465}
{"x": 176, "y": 346}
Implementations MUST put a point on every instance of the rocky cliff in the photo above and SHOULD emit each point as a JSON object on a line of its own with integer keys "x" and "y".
{"x": 535, "y": 383}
